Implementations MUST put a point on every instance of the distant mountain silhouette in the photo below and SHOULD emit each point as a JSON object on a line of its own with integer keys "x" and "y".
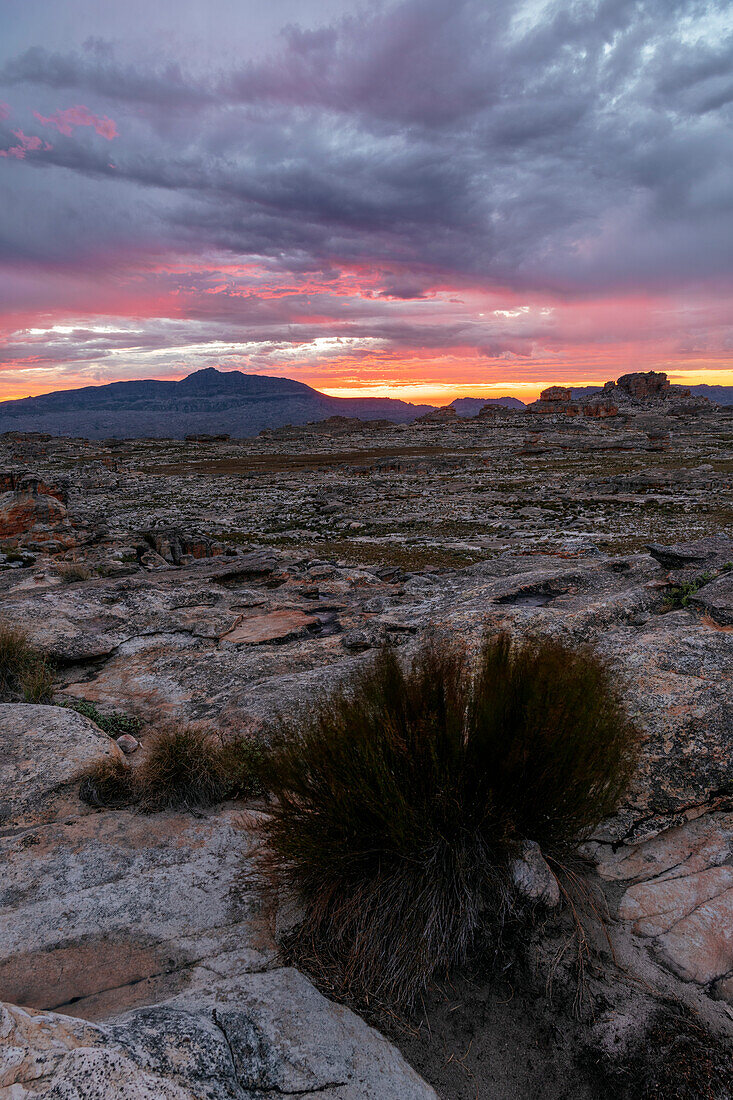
{"x": 208, "y": 401}
{"x": 721, "y": 395}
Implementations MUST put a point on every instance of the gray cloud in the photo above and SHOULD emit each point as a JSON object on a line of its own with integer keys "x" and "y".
{"x": 573, "y": 149}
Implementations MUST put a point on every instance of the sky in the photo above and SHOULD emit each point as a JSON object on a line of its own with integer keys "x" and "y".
{"x": 423, "y": 199}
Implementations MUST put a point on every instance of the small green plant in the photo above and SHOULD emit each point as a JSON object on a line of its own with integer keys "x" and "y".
{"x": 244, "y": 761}
{"x": 25, "y": 674}
{"x": 114, "y": 724}
{"x": 400, "y": 799}
{"x": 680, "y": 595}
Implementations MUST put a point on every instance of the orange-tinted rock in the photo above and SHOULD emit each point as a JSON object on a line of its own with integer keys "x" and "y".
{"x": 22, "y": 513}
{"x": 641, "y": 384}
{"x": 556, "y": 393}
{"x": 280, "y": 626}
{"x": 600, "y": 409}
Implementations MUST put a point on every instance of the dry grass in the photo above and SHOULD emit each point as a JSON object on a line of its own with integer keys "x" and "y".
{"x": 109, "y": 785}
{"x": 402, "y": 796}
{"x": 182, "y": 768}
{"x": 73, "y": 571}
{"x": 25, "y": 674}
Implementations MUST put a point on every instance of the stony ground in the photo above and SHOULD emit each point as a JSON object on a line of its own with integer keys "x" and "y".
{"x": 221, "y": 582}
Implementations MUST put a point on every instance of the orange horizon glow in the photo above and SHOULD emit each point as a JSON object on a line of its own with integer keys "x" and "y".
{"x": 417, "y": 393}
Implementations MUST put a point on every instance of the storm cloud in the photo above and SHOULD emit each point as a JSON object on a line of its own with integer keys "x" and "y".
{"x": 403, "y": 176}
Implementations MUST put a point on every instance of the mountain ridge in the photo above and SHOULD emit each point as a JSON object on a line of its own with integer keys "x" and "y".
{"x": 205, "y": 401}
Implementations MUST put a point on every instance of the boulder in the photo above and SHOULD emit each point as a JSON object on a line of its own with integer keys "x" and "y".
{"x": 266, "y": 1034}
{"x": 533, "y": 877}
{"x": 43, "y": 752}
{"x": 37, "y": 514}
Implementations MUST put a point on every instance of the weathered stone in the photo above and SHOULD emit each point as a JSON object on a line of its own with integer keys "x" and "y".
{"x": 533, "y": 877}
{"x": 43, "y": 752}
{"x": 274, "y": 626}
{"x": 716, "y": 599}
{"x": 269, "y": 1033}
{"x": 44, "y": 516}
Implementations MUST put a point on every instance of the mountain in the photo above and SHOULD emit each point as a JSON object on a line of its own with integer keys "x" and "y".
{"x": 472, "y": 406}
{"x": 720, "y": 395}
{"x": 206, "y": 402}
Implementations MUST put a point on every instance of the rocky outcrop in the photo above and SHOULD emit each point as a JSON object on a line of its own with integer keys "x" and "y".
{"x": 555, "y": 399}
{"x": 175, "y": 547}
{"x": 262, "y": 1035}
{"x": 29, "y": 515}
{"x": 644, "y": 385}
{"x": 159, "y": 926}
{"x": 445, "y": 415}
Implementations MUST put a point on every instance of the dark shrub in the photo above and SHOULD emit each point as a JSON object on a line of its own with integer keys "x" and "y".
{"x": 25, "y": 675}
{"x": 400, "y": 798}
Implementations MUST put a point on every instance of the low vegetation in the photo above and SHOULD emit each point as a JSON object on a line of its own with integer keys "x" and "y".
{"x": 680, "y": 595}
{"x": 182, "y": 768}
{"x": 25, "y": 673}
{"x": 71, "y": 572}
{"x": 115, "y": 723}
{"x": 401, "y": 798}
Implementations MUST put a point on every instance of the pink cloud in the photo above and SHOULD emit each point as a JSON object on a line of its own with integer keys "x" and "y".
{"x": 64, "y": 121}
{"x": 27, "y": 143}
{"x": 4, "y": 111}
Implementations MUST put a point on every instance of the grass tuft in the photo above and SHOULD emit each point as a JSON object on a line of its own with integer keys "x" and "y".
{"x": 182, "y": 769}
{"x": 400, "y": 799}
{"x": 25, "y": 674}
{"x": 109, "y": 785}
{"x": 71, "y": 572}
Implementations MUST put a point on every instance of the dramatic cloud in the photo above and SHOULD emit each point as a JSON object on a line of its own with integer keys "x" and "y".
{"x": 416, "y": 191}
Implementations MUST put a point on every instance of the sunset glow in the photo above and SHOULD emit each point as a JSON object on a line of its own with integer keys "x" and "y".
{"x": 275, "y": 194}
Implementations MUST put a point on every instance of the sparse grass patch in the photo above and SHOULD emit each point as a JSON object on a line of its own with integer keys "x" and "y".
{"x": 73, "y": 571}
{"x": 182, "y": 768}
{"x": 400, "y": 799}
{"x": 397, "y": 555}
{"x": 25, "y": 674}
